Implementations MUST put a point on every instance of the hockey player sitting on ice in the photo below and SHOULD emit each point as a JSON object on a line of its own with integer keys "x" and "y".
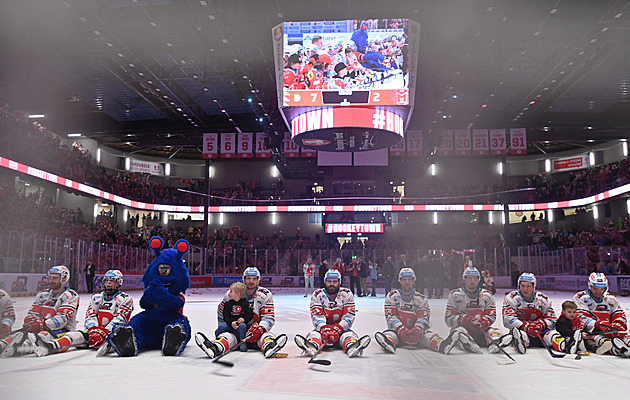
{"x": 7, "y": 319}
{"x": 106, "y": 310}
{"x": 52, "y": 314}
{"x": 571, "y": 327}
{"x": 471, "y": 311}
{"x": 407, "y": 314}
{"x": 332, "y": 314}
{"x": 162, "y": 324}
{"x": 261, "y": 302}
{"x": 532, "y": 313}
{"x": 600, "y": 312}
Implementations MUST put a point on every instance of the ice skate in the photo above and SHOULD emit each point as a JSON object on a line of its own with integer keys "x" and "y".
{"x": 445, "y": 346}
{"x": 306, "y": 345}
{"x": 518, "y": 341}
{"x": 274, "y": 345}
{"x": 208, "y": 346}
{"x": 386, "y": 343}
{"x": 468, "y": 343}
{"x": 356, "y": 348}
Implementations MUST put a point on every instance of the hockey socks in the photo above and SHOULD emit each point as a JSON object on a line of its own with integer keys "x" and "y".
{"x": 271, "y": 346}
{"x": 307, "y": 346}
{"x": 174, "y": 340}
{"x": 123, "y": 341}
{"x": 355, "y": 348}
{"x": 386, "y": 343}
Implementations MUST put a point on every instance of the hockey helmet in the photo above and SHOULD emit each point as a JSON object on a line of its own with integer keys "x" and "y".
{"x": 114, "y": 274}
{"x": 406, "y": 273}
{"x": 597, "y": 280}
{"x": 470, "y": 271}
{"x": 61, "y": 270}
{"x": 251, "y": 271}
{"x": 527, "y": 277}
{"x": 332, "y": 274}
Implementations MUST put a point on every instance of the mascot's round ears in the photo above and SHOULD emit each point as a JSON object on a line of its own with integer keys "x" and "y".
{"x": 156, "y": 243}
{"x": 182, "y": 247}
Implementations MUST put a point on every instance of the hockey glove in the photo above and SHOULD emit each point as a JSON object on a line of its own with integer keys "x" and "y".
{"x": 4, "y": 329}
{"x": 256, "y": 332}
{"x": 485, "y": 322}
{"x": 328, "y": 334}
{"x": 533, "y": 328}
{"x": 468, "y": 321}
{"x": 35, "y": 324}
{"x": 97, "y": 336}
{"x": 604, "y": 326}
{"x": 338, "y": 330}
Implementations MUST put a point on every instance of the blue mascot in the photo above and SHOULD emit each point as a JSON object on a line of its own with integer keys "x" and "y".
{"x": 161, "y": 324}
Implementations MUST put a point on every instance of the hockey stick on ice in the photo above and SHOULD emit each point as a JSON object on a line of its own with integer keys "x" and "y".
{"x": 312, "y": 360}
{"x": 230, "y": 364}
{"x": 8, "y": 334}
{"x": 504, "y": 352}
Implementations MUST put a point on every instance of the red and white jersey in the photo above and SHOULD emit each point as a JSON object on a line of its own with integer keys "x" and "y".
{"x": 517, "y": 310}
{"x": 408, "y": 311}
{"x": 308, "y": 269}
{"x": 261, "y": 303}
{"x": 607, "y": 308}
{"x": 59, "y": 310}
{"x": 479, "y": 303}
{"x": 107, "y": 311}
{"x": 7, "y": 313}
{"x": 329, "y": 309}
{"x": 293, "y": 79}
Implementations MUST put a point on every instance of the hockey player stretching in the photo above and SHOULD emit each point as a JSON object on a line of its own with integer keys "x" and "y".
{"x": 471, "y": 311}
{"x": 52, "y": 314}
{"x": 600, "y": 311}
{"x": 332, "y": 314}
{"x": 106, "y": 309}
{"x": 532, "y": 313}
{"x": 261, "y": 302}
{"x": 408, "y": 316}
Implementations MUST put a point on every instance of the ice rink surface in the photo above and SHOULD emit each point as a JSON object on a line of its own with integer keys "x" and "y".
{"x": 408, "y": 374}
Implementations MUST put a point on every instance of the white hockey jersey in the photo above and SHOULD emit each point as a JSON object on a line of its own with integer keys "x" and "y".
{"x": 517, "y": 310}
{"x": 107, "y": 311}
{"x": 59, "y": 310}
{"x": 335, "y": 309}
{"x": 261, "y": 303}
{"x": 7, "y": 313}
{"x": 460, "y": 302}
{"x": 591, "y": 310}
{"x": 409, "y": 312}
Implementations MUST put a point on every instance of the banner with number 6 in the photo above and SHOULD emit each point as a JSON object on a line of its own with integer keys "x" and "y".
{"x": 228, "y": 145}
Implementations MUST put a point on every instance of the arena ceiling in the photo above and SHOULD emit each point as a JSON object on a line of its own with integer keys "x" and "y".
{"x": 150, "y": 76}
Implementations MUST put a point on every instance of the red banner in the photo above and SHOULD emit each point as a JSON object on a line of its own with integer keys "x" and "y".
{"x": 446, "y": 143}
{"x": 261, "y": 151}
{"x": 414, "y": 143}
{"x": 245, "y": 145}
{"x": 210, "y": 145}
{"x": 518, "y": 141}
{"x": 480, "y": 142}
{"x": 228, "y": 145}
{"x": 463, "y": 146}
{"x": 497, "y": 142}
{"x": 291, "y": 150}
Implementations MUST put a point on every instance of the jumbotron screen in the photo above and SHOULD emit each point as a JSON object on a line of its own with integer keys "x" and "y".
{"x": 348, "y": 85}
{"x": 357, "y": 62}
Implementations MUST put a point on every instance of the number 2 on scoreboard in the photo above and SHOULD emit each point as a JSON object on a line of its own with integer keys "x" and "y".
{"x": 376, "y": 97}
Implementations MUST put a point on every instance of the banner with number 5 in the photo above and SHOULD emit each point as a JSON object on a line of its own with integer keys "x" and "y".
{"x": 245, "y": 141}
{"x": 497, "y": 142}
{"x": 210, "y": 148}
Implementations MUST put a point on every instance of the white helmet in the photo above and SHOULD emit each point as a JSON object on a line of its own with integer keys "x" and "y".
{"x": 333, "y": 274}
{"x": 115, "y": 275}
{"x": 597, "y": 280}
{"x": 251, "y": 271}
{"x": 527, "y": 277}
{"x": 406, "y": 273}
{"x": 61, "y": 270}
{"x": 470, "y": 271}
